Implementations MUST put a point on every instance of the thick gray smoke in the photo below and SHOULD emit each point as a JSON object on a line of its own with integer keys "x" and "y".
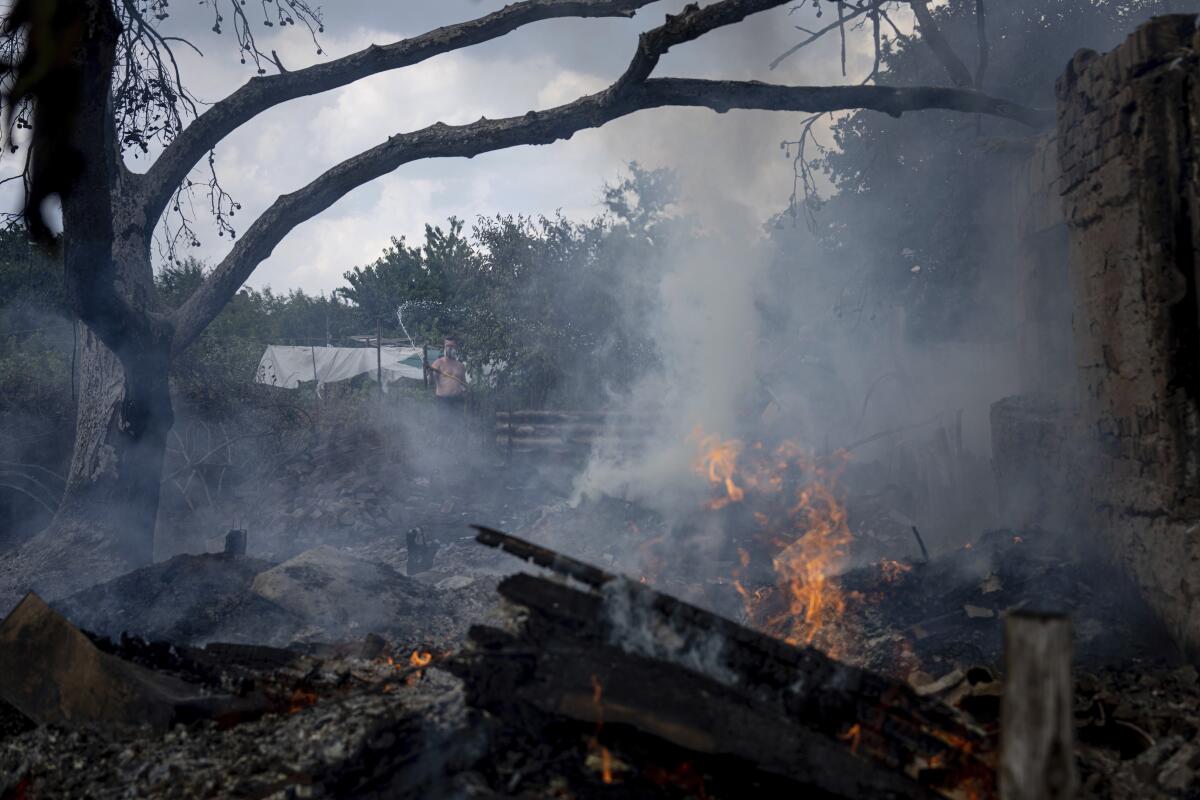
{"x": 705, "y": 328}
{"x": 765, "y": 335}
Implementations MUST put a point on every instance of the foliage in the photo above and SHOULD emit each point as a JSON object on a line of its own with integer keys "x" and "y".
{"x": 215, "y": 372}
{"x": 411, "y": 275}
{"x": 541, "y": 305}
{"x": 908, "y": 206}
{"x": 36, "y": 337}
{"x": 547, "y": 310}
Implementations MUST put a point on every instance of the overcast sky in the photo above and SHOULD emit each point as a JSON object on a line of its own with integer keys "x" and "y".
{"x": 733, "y": 158}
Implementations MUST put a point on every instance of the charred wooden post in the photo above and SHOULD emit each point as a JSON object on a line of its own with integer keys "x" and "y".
{"x": 1037, "y": 729}
{"x": 235, "y": 542}
{"x": 543, "y": 556}
{"x": 693, "y": 680}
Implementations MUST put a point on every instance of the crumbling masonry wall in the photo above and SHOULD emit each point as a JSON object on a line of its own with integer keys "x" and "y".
{"x": 1127, "y": 150}
{"x": 1033, "y": 433}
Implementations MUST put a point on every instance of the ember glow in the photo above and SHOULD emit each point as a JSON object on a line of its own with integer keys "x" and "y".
{"x": 595, "y": 749}
{"x": 802, "y": 527}
{"x": 892, "y": 570}
{"x": 420, "y": 658}
{"x": 301, "y": 699}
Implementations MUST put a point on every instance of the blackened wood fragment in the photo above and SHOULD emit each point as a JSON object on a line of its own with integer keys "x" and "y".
{"x": 695, "y": 680}
{"x": 1037, "y": 726}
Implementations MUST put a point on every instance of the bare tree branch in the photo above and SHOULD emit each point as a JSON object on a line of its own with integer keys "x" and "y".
{"x": 264, "y": 92}
{"x": 689, "y": 25}
{"x": 841, "y": 18}
{"x": 544, "y": 127}
{"x": 931, "y": 34}
{"x": 873, "y": 7}
{"x": 633, "y": 91}
{"x": 984, "y": 49}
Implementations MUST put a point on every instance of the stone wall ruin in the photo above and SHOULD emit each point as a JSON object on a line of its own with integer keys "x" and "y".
{"x": 1119, "y": 452}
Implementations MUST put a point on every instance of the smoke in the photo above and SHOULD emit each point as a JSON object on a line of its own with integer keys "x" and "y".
{"x": 705, "y": 325}
{"x": 768, "y": 333}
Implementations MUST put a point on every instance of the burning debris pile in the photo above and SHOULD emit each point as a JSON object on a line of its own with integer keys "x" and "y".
{"x": 762, "y": 644}
{"x": 580, "y": 683}
{"x": 627, "y": 659}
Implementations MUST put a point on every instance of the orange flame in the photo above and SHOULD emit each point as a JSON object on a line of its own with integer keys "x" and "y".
{"x": 718, "y": 460}
{"x": 853, "y": 736}
{"x": 301, "y": 699}
{"x": 420, "y": 658}
{"x": 892, "y": 570}
{"x": 594, "y": 746}
{"x": 813, "y": 534}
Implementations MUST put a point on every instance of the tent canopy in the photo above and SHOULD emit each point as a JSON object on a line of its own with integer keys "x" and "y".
{"x": 288, "y": 366}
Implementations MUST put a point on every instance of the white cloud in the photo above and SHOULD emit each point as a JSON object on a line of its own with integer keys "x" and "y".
{"x": 567, "y": 85}
{"x": 317, "y": 253}
{"x": 730, "y": 163}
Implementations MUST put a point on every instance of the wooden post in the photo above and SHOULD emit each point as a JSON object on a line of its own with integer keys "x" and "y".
{"x": 316, "y": 383}
{"x": 379, "y": 355}
{"x": 1037, "y": 728}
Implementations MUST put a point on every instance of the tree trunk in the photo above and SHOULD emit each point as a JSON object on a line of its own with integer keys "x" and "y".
{"x": 120, "y": 440}
{"x": 105, "y": 524}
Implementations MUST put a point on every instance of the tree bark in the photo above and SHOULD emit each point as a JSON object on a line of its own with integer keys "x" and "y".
{"x": 105, "y": 523}
{"x": 122, "y": 423}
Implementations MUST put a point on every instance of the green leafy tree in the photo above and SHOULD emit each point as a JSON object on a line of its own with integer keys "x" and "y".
{"x": 420, "y": 278}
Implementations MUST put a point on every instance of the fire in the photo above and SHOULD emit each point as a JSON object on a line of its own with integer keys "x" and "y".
{"x": 685, "y": 777}
{"x": 810, "y": 533}
{"x": 301, "y": 699}
{"x": 595, "y": 749}
{"x": 853, "y": 736}
{"x": 420, "y": 658}
{"x": 718, "y": 460}
{"x": 892, "y": 570}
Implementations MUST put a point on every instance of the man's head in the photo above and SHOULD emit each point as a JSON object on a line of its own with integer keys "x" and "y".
{"x": 450, "y": 347}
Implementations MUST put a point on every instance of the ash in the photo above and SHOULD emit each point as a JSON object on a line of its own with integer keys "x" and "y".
{"x": 329, "y": 657}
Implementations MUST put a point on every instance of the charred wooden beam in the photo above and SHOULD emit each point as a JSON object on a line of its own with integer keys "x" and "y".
{"x": 624, "y": 654}
{"x": 542, "y": 556}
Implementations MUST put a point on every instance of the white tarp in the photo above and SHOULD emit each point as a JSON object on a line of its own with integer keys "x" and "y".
{"x": 288, "y": 366}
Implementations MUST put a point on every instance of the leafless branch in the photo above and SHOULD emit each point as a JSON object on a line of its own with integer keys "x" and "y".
{"x": 626, "y": 95}
{"x": 932, "y": 35}
{"x": 858, "y": 11}
{"x": 259, "y": 94}
{"x": 841, "y": 15}
{"x": 804, "y": 198}
{"x": 981, "y": 33}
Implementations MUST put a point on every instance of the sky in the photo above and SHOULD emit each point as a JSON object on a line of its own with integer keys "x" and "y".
{"x": 734, "y": 158}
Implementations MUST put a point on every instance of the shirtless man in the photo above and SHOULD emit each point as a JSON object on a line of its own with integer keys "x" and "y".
{"x": 449, "y": 377}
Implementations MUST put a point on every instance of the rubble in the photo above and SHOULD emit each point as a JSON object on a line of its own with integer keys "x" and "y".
{"x": 948, "y": 613}
{"x": 189, "y": 599}
{"x": 377, "y": 716}
{"x": 324, "y": 594}
{"x": 54, "y": 674}
{"x": 342, "y": 594}
{"x": 366, "y": 744}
